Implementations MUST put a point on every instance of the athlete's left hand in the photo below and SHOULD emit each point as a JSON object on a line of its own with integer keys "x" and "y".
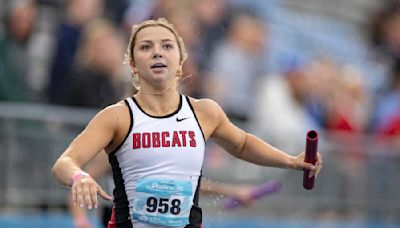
{"x": 300, "y": 164}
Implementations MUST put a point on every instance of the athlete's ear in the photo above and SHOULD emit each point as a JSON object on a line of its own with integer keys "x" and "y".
{"x": 179, "y": 73}
{"x": 134, "y": 69}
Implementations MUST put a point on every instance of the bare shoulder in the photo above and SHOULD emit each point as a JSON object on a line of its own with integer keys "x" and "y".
{"x": 116, "y": 109}
{"x": 113, "y": 115}
{"x": 209, "y": 114}
{"x": 206, "y": 106}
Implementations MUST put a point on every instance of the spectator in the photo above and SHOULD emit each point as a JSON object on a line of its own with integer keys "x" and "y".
{"x": 286, "y": 94}
{"x": 78, "y": 13}
{"x": 212, "y": 19}
{"x": 388, "y": 109}
{"x": 20, "y": 20}
{"x": 97, "y": 78}
{"x": 237, "y": 64}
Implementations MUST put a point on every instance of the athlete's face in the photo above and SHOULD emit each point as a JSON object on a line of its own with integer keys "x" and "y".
{"x": 156, "y": 56}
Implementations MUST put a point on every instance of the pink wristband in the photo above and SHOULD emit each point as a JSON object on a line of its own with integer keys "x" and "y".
{"x": 78, "y": 176}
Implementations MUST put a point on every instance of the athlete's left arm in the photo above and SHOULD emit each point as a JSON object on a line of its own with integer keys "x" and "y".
{"x": 252, "y": 149}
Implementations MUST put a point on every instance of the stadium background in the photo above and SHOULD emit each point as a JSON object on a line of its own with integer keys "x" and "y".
{"x": 283, "y": 67}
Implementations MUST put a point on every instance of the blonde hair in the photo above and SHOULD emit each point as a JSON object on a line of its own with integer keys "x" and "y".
{"x": 129, "y": 58}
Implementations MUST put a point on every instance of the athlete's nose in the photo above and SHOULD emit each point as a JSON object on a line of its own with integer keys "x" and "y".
{"x": 157, "y": 55}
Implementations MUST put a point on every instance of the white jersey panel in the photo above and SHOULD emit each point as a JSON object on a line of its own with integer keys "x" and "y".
{"x": 163, "y": 154}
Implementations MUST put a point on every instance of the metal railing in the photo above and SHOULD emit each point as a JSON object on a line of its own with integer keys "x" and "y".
{"x": 31, "y": 139}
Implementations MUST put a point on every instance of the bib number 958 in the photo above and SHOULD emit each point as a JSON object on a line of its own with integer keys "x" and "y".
{"x": 163, "y": 205}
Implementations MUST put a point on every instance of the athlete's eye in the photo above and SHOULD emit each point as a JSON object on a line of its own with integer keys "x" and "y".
{"x": 144, "y": 47}
{"x": 168, "y": 46}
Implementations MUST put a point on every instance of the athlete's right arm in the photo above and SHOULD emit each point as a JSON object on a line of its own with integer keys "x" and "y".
{"x": 98, "y": 134}
{"x": 96, "y": 169}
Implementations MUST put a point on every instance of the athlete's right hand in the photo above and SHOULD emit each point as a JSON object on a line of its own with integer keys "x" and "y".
{"x": 85, "y": 190}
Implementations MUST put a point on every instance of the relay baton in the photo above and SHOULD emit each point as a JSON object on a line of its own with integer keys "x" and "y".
{"x": 257, "y": 193}
{"x": 311, "y": 157}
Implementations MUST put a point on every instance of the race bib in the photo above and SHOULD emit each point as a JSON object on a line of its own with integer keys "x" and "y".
{"x": 162, "y": 202}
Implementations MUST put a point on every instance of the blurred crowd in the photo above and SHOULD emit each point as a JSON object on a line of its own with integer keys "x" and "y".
{"x": 71, "y": 53}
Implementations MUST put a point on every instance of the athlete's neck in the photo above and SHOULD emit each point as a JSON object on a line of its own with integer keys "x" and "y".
{"x": 158, "y": 104}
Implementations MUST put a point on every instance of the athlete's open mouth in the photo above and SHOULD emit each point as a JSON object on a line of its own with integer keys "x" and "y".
{"x": 158, "y": 65}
